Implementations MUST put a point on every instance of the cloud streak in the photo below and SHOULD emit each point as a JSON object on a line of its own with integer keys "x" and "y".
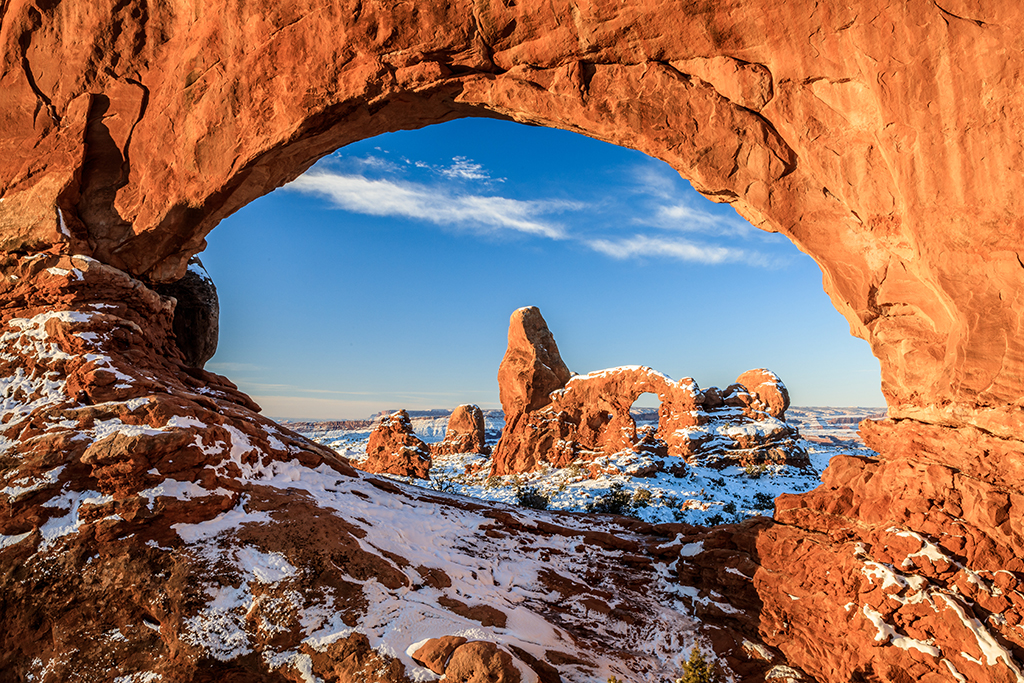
{"x": 639, "y": 246}
{"x": 437, "y": 205}
{"x": 654, "y": 203}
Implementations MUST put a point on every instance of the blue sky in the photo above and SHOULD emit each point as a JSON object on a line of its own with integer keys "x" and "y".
{"x": 384, "y": 277}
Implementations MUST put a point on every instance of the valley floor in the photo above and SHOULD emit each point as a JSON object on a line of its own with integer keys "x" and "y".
{"x": 622, "y": 483}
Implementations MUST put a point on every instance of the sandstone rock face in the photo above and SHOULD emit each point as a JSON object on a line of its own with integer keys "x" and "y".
{"x": 482, "y": 662}
{"x": 880, "y": 137}
{"x": 146, "y": 141}
{"x": 532, "y": 367}
{"x": 770, "y": 394}
{"x": 196, "y": 314}
{"x": 394, "y": 449}
{"x": 589, "y": 415}
{"x": 435, "y": 653}
{"x": 465, "y": 433}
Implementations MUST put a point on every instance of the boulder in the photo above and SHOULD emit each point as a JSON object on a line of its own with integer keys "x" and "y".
{"x": 435, "y": 653}
{"x": 394, "y": 449}
{"x": 465, "y": 433}
{"x": 770, "y": 393}
{"x": 481, "y": 662}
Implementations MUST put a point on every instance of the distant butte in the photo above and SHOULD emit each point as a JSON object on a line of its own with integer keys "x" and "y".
{"x": 154, "y": 526}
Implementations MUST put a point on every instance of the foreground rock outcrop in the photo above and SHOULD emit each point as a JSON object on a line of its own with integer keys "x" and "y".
{"x": 589, "y": 415}
{"x": 880, "y": 137}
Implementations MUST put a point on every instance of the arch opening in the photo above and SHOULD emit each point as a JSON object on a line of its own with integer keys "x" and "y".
{"x": 413, "y": 171}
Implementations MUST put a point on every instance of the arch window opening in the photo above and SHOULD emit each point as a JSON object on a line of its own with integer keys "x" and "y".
{"x": 384, "y": 277}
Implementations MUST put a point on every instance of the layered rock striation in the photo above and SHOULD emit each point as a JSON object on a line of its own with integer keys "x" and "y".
{"x": 589, "y": 415}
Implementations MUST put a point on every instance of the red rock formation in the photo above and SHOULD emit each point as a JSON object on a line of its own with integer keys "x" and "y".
{"x": 482, "y": 662}
{"x": 465, "y": 433}
{"x": 588, "y": 415}
{"x": 532, "y": 367}
{"x": 394, "y": 449}
{"x": 880, "y": 137}
{"x": 152, "y": 524}
{"x": 770, "y": 394}
{"x": 435, "y": 653}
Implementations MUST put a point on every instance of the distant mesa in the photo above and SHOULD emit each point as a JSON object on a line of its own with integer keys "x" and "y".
{"x": 554, "y": 418}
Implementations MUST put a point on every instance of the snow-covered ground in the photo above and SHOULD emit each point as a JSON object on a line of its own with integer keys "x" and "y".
{"x": 694, "y": 494}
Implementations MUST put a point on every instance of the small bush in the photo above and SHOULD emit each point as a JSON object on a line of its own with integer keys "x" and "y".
{"x": 492, "y": 482}
{"x": 754, "y": 470}
{"x": 575, "y": 470}
{"x": 714, "y": 520}
{"x": 697, "y": 670}
{"x": 532, "y": 497}
{"x": 615, "y": 502}
{"x": 762, "y": 501}
{"x": 443, "y": 483}
{"x": 729, "y": 508}
{"x": 641, "y": 498}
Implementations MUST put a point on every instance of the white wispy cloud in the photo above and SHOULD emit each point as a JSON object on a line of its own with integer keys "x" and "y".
{"x": 670, "y": 209}
{"x": 639, "y": 246}
{"x": 461, "y": 168}
{"x": 435, "y": 204}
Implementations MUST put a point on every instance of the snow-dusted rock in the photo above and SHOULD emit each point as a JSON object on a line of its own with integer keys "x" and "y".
{"x": 589, "y": 415}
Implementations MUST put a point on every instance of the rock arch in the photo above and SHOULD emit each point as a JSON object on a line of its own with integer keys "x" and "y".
{"x": 881, "y": 139}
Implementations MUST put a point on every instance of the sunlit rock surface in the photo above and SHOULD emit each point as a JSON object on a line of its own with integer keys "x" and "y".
{"x": 881, "y": 138}
{"x": 587, "y": 416}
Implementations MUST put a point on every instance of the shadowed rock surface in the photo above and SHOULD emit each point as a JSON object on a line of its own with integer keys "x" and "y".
{"x": 196, "y": 314}
{"x": 153, "y": 524}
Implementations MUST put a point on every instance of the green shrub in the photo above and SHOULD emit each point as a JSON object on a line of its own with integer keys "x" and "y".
{"x": 697, "y": 670}
{"x": 762, "y": 501}
{"x": 615, "y": 502}
{"x": 754, "y": 470}
{"x": 443, "y": 483}
{"x": 532, "y": 497}
{"x": 714, "y": 520}
{"x": 641, "y": 498}
{"x": 729, "y": 508}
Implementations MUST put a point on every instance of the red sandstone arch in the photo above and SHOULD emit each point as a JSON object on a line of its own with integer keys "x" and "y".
{"x": 882, "y": 145}
{"x": 884, "y": 140}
